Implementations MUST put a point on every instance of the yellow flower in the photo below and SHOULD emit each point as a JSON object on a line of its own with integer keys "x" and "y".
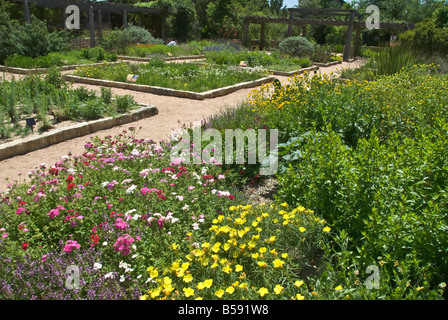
{"x": 152, "y": 272}
{"x": 263, "y": 291}
{"x": 144, "y": 297}
{"x": 216, "y": 246}
{"x": 338, "y": 288}
{"x": 200, "y": 286}
{"x": 238, "y": 268}
{"x": 185, "y": 265}
{"x": 255, "y": 255}
{"x": 278, "y": 289}
{"x": 227, "y": 269}
{"x": 284, "y": 204}
{"x": 188, "y": 278}
{"x": 188, "y": 292}
{"x": 174, "y": 246}
{"x": 219, "y": 293}
{"x": 278, "y": 263}
{"x": 300, "y": 297}
{"x": 230, "y": 290}
{"x": 262, "y": 250}
{"x": 284, "y": 255}
{"x": 298, "y": 283}
{"x": 208, "y": 283}
{"x": 262, "y": 263}
{"x": 326, "y": 229}
{"x": 302, "y": 229}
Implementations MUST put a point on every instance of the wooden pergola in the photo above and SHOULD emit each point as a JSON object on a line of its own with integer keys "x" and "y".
{"x": 344, "y": 17}
{"x": 91, "y": 6}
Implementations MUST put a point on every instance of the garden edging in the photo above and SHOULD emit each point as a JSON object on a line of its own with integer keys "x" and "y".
{"x": 143, "y": 59}
{"x": 44, "y": 70}
{"x": 26, "y": 145}
{"x": 171, "y": 92}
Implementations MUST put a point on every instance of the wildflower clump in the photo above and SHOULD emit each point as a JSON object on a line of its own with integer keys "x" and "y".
{"x": 249, "y": 252}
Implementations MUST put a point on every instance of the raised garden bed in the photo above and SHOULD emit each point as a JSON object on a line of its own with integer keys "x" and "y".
{"x": 45, "y": 70}
{"x": 23, "y": 146}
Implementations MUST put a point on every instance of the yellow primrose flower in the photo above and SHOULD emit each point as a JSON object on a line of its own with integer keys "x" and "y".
{"x": 278, "y": 263}
{"x": 188, "y": 292}
{"x": 227, "y": 269}
{"x": 338, "y": 288}
{"x": 262, "y": 250}
{"x": 200, "y": 286}
{"x": 208, "y": 283}
{"x": 174, "y": 246}
{"x": 298, "y": 283}
{"x": 285, "y": 255}
{"x": 300, "y": 297}
{"x": 230, "y": 290}
{"x": 302, "y": 229}
{"x": 219, "y": 293}
{"x": 326, "y": 229}
{"x": 284, "y": 204}
{"x": 262, "y": 263}
{"x": 238, "y": 268}
{"x": 263, "y": 291}
{"x": 255, "y": 255}
{"x": 152, "y": 272}
{"x": 188, "y": 278}
{"x": 278, "y": 289}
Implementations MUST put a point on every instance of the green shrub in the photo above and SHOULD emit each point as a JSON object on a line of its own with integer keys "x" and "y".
{"x": 426, "y": 38}
{"x": 124, "y": 102}
{"x": 297, "y": 47}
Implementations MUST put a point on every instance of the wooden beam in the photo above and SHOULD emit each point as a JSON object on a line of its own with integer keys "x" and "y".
{"x": 100, "y": 24}
{"x": 262, "y": 36}
{"x": 92, "y": 27}
{"x": 26, "y": 11}
{"x": 348, "y": 38}
{"x": 125, "y": 19}
{"x": 290, "y": 24}
{"x": 246, "y": 33}
{"x": 357, "y": 51}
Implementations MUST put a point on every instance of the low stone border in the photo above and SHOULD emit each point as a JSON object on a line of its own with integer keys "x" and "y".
{"x": 142, "y": 59}
{"x": 44, "y": 70}
{"x": 26, "y": 145}
{"x": 170, "y": 92}
{"x": 328, "y": 64}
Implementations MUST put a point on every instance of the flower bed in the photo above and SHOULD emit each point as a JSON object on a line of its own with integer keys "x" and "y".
{"x": 180, "y": 79}
{"x": 137, "y": 224}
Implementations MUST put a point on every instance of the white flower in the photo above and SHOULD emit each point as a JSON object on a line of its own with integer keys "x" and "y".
{"x": 185, "y": 207}
{"x": 104, "y": 243}
{"x": 97, "y": 266}
{"x": 104, "y": 184}
{"x": 131, "y": 189}
{"x": 109, "y": 275}
{"x": 122, "y": 278}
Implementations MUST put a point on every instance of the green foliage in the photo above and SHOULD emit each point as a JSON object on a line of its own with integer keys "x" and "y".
{"x": 427, "y": 38}
{"x": 117, "y": 40}
{"x": 296, "y": 47}
{"x": 31, "y": 40}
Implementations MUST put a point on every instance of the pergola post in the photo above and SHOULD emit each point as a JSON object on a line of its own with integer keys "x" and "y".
{"x": 348, "y": 37}
{"x": 100, "y": 24}
{"x": 291, "y": 19}
{"x": 92, "y": 27}
{"x": 246, "y": 33}
{"x": 262, "y": 43}
{"x": 357, "y": 50}
{"x": 26, "y": 11}
{"x": 125, "y": 19}
{"x": 164, "y": 28}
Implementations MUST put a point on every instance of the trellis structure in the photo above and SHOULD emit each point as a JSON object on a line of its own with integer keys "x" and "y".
{"x": 91, "y": 6}
{"x": 345, "y": 17}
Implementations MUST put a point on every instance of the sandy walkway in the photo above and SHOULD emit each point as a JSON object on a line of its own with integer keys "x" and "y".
{"x": 173, "y": 113}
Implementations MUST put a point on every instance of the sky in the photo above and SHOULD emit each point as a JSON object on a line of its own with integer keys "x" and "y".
{"x": 290, "y": 3}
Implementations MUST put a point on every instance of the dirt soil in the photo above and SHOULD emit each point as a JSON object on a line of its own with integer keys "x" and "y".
{"x": 173, "y": 113}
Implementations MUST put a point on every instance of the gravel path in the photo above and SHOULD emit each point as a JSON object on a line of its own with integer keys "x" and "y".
{"x": 173, "y": 113}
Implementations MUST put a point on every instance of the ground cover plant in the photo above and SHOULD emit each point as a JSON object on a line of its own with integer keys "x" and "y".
{"x": 271, "y": 61}
{"x": 58, "y": 59}
{"x": 51, "y": 100}
{"x": 140, "y": 224}
{"x": 371, "y": 159}
{"x": 180, "y": 76}
{"x": 161, "y": 50}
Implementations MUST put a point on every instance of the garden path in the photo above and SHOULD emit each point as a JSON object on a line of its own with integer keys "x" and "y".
{"x": 173, "y": 113}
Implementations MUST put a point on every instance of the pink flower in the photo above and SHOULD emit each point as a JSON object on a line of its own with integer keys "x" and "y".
{"x": 53, "y": 213}
{"x": 160, "y": 222}
{"x": 180, "y": 198}
{"x": 221, "y": 176}
{"x": 123, "y": 244}
{"x": 20, "y": 210}
{"x": 120, "y": 224}
{"x": 70, "y": 245}
{"x": 191, "y": 188}
{"x": 5, "y": 235}
{"x": 44, "y": 257}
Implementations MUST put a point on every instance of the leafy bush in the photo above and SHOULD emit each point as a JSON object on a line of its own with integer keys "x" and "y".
{"x": 117, "y": 40}
{"x": 296, "y": 47}
{"x": 427, "y": 38}
{"x": 30, "y": 40}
